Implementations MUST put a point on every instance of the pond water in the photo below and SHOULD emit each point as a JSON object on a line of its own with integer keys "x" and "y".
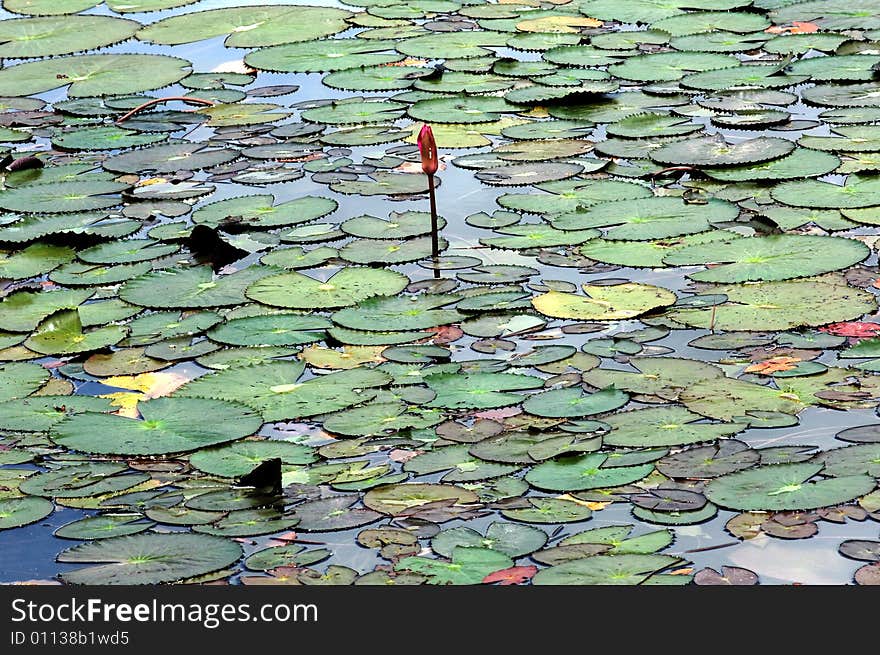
{"x": 792, "y": 290}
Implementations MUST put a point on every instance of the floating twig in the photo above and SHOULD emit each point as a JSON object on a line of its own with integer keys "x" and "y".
{"x": 157, "y": 101}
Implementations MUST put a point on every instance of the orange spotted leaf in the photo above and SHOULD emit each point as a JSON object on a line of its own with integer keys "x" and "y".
{"x": 513, "y": 575}
{"x": 773, "y": 365}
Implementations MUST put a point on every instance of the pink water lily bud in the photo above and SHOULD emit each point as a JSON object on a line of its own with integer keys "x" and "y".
{"x": 428, "y": 150}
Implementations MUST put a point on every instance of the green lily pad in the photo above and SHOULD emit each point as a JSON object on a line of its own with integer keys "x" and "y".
{"x": 398, "y": 226}
{"x": 81, "y": 480}
{"x": 260, "y": 212}
{"x": 169, "y": 158}
{"x": 801, "y": 162}
{"x": 403, "y": 312}
{"x": 676, "y": 517}
{"x": 273, "y": 389}
{"x": 323, "y": 55}
{"x": 479, "y": 390}
{"x": 858, "y": 191}
{"x": 148, "y": 558}
{"x": 778, "y": 257}
{"x": 384, "y": 183}
{"x": 461, "y": 465}
{"x": 20, "y": 379}
{"x": 663, "y": 426}
{"x": 831, "y": 15}
{"x": 248, "y": 27}
{"x": 353, "y": 111}
{"x": 62, "y": 333}
{"x": 652, "y": 124}
{"x": 648, "y": 218}
{"x": 47, "y": 7}
{"x": 779, "y": 306}
{"x": 646, "y": 253}
{"x": 166, "y": 427}
{"x": 104, "y": 526}
{"x": 469, "y": 566}
{"x": 711, "y": 461}
{"x": 512, "y": 539}
{"x": 82, "y": 274}
{"x": 460, "y": 109}
{"x": 24, "y": 38}
{"x": 375, "y": 78}
{"x": 632, "y": 569}
{"x": 192, "y": 287}
{"x": 347, "y": 287}
{"x": 669, "y": 66}
{"x": 271, "y": 330}
{"x": 237, "y": 459}
{"x": 16, "y": 512}
{"x": 727, "y": 399}
{"x": 549, "y": 510}
{"x": 289, "y": 555}
{"x": 453, "y": 45}
{"x": 394, "y": 499}
{"x": 379, "y": 418}
{"x": 604, "y": 303}
{"x": 573, "y": 402}
{"x": 36, "y": 259}
{"x": 665, "y": 377}
{"x": 537, "y": 236}
{"x": 780, "y": 487}
{"x": 569, "y": 195}
{"x": 584, "y": 472}
{"x": 715, "y": 151}
{"x": 851, "y": 460}
{"x": 63, "y": 197}
{"x": 248, "y": 523}
{"x": 93, "y": 75}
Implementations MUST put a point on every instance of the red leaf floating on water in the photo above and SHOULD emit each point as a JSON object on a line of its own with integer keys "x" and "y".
{"x": 797, "y": 27}
{"x": 857, "y": 329}
{"x": 500, "y": 413}
{"x": 446, "y": 333}
{"x": 401, "y": 455}
{"x": 513, "y": 575}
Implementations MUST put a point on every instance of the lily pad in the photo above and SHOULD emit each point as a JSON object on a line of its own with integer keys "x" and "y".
{"x": 248, "y": 27}
{"x": 604, "y": 303}
{"x": 397, "y": 498}
{"x": 781, "y": 487}
{"x": 512, "y": 539}
{"x": 606, "y": 569}
{"x": 584, "y": 472}
{"x": 166, "y": 427}
{"x": 148, "y": 558}
{"x": 237, "y": 459}
{"x": 648, "y": 218}
{"x": 347, "y": 287}
{"x": 663, "y": 426}
{"x": 479, "y": 390}
{"x": 715, "y": 151}
{"x": 469, "y": 566}
{"x": 274, "y": 389}
{"x": 779, "y": 257}
{"x": 192, "y": 287}
{"x": 572, "y": 402}
{"x": 15, "y": 512}
{"x": 778, "y": 306}
{"x": 24, "y": 38}
{"x": 93, "y": 75}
